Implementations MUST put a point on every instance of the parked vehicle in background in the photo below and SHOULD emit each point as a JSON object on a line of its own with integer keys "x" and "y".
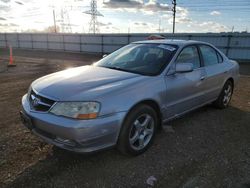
{"x": 125, "y": 97}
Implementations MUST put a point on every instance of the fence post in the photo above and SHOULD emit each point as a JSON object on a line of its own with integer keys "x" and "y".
{"x": 102, "y": 44}
{"x": 18, "y": 42}
{"x": 47, "y": 38}
{"x": 5, "y": 40}
{"x": 80, "y": 42}
{"x": 128, "y": 38}
{"x": 228, "y": 44}
{"x": 63, "y": 42}
{"x": 31, "y": 36}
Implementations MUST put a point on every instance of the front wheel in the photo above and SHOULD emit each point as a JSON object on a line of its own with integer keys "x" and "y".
{"x": 225, "y": 95}
{"x": 138, "y": 130}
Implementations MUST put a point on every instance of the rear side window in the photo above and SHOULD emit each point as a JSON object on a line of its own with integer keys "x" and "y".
{"x": 189, "y": 55}
{"x": 210, "y": 56}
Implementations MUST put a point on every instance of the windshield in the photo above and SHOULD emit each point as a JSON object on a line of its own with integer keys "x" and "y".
{"x": 145, "y": 59}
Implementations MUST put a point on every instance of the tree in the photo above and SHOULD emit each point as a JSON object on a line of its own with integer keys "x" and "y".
{"x": 51, "y": 29}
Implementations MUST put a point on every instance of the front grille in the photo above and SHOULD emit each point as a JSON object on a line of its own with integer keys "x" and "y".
{"x": 40, "y": 103}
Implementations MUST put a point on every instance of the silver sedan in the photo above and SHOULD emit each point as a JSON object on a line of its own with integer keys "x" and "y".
{"x": 125, "y": 97}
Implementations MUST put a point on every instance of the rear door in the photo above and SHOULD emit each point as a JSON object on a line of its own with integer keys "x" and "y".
{"x": 215, "y": 71}
{"x": 185, "y": 90}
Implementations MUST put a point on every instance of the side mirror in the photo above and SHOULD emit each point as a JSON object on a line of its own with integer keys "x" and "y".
{"x": 184, "y": 67}
{"x": 104, "y": 55}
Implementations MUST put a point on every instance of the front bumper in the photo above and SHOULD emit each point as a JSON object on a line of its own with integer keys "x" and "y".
{"x": 75, "y": 135}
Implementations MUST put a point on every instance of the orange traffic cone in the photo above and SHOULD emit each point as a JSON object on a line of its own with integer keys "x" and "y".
{"x": 11, "y": 63}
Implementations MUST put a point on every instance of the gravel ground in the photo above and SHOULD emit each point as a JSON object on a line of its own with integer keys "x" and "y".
{"x": 205, "y": 148}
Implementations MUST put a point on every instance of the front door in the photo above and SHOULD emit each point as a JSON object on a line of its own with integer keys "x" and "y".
{"x": 185, "y": 91}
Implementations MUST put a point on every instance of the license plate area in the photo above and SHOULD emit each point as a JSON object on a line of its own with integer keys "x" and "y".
{"x": 26, "y": 121}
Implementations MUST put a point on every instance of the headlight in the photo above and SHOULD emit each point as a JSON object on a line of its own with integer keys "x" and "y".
{"x": 77, "y": 110}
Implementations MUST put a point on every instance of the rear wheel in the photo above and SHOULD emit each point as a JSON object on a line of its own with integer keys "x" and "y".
{"x": 138, "y": 130}
{"x": 225, "y": 95}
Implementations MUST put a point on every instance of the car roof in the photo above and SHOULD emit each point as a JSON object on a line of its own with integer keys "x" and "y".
{"x": 171, "y": 41}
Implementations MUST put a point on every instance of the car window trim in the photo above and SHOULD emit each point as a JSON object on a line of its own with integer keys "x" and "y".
{"x": 219, "y": 56}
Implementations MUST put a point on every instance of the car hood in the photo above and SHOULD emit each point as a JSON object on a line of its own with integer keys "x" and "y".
{"x": 71, "y": 84}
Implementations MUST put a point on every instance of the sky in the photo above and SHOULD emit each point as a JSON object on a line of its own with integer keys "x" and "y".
{"x": 126, "y": 16}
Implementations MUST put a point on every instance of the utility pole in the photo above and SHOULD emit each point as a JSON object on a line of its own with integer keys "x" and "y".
{"x": 232, "y": 29}
{"x": 54, "y": 17}
{"x": 174, "y": 12}
{"x": 159, "y": 29}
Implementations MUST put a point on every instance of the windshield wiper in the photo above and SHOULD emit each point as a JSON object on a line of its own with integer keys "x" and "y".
{"x": 116, "y": 68}
{"x": 125, "y": 70}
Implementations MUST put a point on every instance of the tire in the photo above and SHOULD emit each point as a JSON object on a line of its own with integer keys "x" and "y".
{"x": 138, "y": 130}
{"x": 225, "y": 95}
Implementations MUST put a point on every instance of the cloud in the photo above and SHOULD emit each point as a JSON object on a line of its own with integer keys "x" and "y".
{"x": 210, "y": 26}
{"x": 19, "y": 2}
{"x": 215, "y": 13}
{"x": 151, "y": 5}
{"x": 5, "y": 1}
{"x": 102, "y": 24}
{"x": 141, "y": 23}
{"x": 122, "y": 4}
{"x": 142, "y": 27}
{"x": 182, "y": 16}
{"x": 154, "y": 6}
{"x": 204, "y": 27}
{"x": 183, "y": 20}
{"x": 9, "y": 25}
{"x": 120, "y": 16}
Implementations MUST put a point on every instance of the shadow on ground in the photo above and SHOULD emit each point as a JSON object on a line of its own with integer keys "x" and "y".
{"x": 208, "y": 148}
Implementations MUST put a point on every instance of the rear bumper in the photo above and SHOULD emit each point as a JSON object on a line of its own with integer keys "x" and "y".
{"x": 75, "y": 135}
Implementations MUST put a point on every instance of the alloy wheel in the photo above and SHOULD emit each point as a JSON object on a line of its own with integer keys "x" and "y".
{"x": 227, "y": 94}
{"x": 141, "y": 132}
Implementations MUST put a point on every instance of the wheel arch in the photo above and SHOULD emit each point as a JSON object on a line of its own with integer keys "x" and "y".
{"x": 231, "y": 80}
{"x": 153, "y": 104}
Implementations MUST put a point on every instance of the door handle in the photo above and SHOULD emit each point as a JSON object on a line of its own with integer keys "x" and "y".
{"x": 226, "y": 71}
{"x": 203, "y": 77}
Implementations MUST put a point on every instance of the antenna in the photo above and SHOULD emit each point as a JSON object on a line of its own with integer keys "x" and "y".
{"x": 93, "y": 24}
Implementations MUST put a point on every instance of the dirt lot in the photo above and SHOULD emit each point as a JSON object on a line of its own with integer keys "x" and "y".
{"x": 205, "y": 148}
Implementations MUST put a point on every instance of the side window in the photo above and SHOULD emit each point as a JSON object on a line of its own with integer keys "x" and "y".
{"x": 209, "y": 55}
{"x": 189, "y": 55}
